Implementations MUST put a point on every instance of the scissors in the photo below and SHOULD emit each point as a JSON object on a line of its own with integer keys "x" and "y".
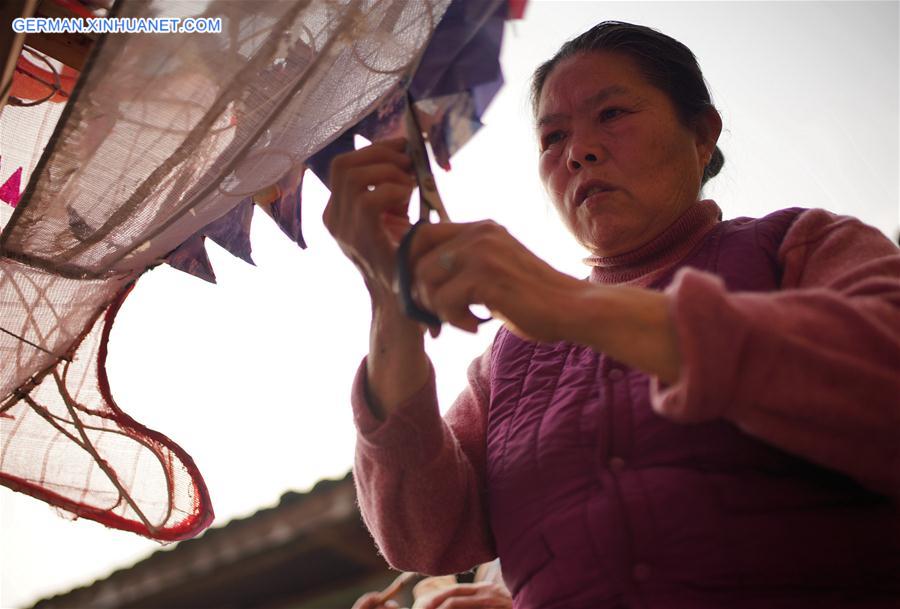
{"x": 429, "y": 201}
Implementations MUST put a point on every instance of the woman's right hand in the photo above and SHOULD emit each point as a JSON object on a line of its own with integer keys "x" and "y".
{"x": 368, "y": 210}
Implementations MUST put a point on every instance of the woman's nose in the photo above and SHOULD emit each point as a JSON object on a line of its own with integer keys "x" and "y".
{"x": 581, "y": 155}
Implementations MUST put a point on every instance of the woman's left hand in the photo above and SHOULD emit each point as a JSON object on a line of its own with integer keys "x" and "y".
{"x": 458, "y": 265}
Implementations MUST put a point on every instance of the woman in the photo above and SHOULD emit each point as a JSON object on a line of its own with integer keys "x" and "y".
{"x": 711, "y": 420}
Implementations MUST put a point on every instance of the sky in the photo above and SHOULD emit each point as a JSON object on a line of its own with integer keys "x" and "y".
{"x": 252, "y": 375}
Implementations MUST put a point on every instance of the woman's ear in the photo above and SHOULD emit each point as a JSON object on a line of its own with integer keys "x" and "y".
{"x": 708, "y": 127}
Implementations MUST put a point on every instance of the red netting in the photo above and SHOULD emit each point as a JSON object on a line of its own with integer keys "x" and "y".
{"x": 66, "y": 442}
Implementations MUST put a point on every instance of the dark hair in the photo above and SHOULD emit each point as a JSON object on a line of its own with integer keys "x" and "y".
{"x": 664, "y": 62}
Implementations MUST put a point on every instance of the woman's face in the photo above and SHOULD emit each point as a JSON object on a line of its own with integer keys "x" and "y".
{"x": 617, "y": 162}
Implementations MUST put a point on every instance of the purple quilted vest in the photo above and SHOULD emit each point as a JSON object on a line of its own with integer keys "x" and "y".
{"x": 597, "y": 502}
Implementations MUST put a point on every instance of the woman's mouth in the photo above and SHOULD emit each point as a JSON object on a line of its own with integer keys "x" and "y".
{"x": 596, "y": 197}
{"x": 592, "y": 192}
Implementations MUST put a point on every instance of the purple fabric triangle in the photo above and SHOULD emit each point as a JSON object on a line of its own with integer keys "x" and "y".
{"x": 286, "y": 210}
{"x": 464, "y": 50}
{"x": 190, "y": 257}
{"x": 454, "y": 123}
{"x": 10, "y": 191}
{"x": 320, "y": 162}
{"x": 483, "y": 95}
{"x": 387, "y": 120}
{"x": 232, "y": 231}
{"x": 457, "y": 78}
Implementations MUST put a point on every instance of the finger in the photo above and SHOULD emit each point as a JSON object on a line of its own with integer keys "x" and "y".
{"x": 372, "y": 600}
{"x": 389, "y": 151}
{"x": 432, "y": 235}
{"x": 394, "y": 143}
{"x": 463, "y": 254}
{"x": 396, "y": 226}
{"x": 444, "y": 257}
{"x": 353, "y": 192}
{"x": 437, "y": 265}
{"x": 441, "y": 597}
{"x": 475, "y": 602}
{"x": 455, "y": 598}
{"x": 369, "y": 600}
{"x": 464, "y": 232}
{"x": 356, "y": 181}
{"x": 361, "y": 178}
{"x": 446, "y": 277}
{"x": 397, "y": 585}
{"x": 450, "y": 301}
{"x": 478, "y": 595}
{"x": 388, "y": 198}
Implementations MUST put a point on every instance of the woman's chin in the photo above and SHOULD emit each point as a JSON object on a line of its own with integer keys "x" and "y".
{"x": 609, "y": 238}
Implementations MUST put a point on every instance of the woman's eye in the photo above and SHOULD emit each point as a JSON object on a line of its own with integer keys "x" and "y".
{"x": 551, "y": 138}
{"x": 611, "y": 113}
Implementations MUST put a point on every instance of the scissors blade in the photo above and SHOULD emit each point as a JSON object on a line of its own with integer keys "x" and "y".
{"x": 428, "y": 192}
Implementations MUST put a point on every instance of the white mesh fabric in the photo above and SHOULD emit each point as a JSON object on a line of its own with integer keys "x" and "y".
{"x": 164, "y": 134}
{"x": 24, "y": 132}
{"x": 169, "y": 132}
{"x": 46, "y": 310}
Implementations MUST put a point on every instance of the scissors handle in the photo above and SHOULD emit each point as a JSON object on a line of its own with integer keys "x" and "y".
{"x": 405, "y": 279}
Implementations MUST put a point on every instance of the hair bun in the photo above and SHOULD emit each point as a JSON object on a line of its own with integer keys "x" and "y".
{"x": 716, "y": 162}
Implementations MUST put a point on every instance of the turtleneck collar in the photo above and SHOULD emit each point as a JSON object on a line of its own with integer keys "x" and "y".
{"x": 645, "y": 263}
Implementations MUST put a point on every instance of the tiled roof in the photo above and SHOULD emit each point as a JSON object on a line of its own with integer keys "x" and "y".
{"x": 310, "y": 543}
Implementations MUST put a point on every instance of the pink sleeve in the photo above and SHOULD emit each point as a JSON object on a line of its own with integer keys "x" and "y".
{"x": 814, "y": 368}
{"x": 421, "y": 480}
